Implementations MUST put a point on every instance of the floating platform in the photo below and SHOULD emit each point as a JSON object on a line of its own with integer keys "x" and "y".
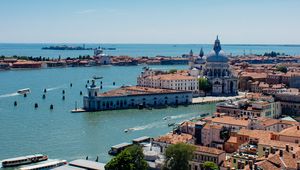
{"x": 79, "y": 110}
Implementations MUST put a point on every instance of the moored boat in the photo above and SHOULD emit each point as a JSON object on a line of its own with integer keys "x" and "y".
{"x": 23, "y": 91}
{"x": 46, "y": 165}
{"x": 97, "y": 77}
{"x": 23, "y": 160}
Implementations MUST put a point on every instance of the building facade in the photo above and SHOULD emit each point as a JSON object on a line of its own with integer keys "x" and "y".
{"x": 133, "y": 97}
{"x": 218, "y": 72}
{"x": 163, "y": 80}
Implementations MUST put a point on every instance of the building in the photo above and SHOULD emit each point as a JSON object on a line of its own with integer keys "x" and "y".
{"x": 290, "y": 102}
{"x": 133, "y": 97}
{"x": 275, "y": 125}
{"x": 160, "y": 79}
{"x": 197, "y": 62}
{"x": 26, "y": 64}
{"x": 233, "y": 123}
{"x": 251, "y": 108}
{"x": 211, "y": 135}
{"x": 291, "y": 134}
{"x": 283, "y": 159}
{"x": 172, "y": 138}
{"x": 101, "y": 58}
{"x": 218, "y": 72}
{"x": 203, "y": 154}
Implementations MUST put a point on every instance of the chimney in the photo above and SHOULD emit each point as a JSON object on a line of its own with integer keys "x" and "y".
{"x": 255, "y": 167}
{"x": 266, "y": 154}
{"x": 287, "y": 147}
{"x": 273, "y": 150}
{"x": 251, "y": 165}
{"x": 281, "y": 153}
{"x": 298, "y": 165}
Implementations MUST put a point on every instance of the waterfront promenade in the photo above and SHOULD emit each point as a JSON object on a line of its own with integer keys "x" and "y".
{"x": 215, "y": 99}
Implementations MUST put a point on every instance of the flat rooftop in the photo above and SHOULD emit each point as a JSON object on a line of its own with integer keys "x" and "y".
{"x": 86, "y": 164}
{"x": 141, "y": 139}
{"x": 136, "y": 90}
{"x": 121, "y": 145}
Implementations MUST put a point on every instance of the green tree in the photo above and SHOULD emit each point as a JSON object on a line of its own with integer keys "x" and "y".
{"x": 178, "y": 156}
{"x": 282, "y": 69}
{"x": 210, "y": 166}
{"x": 131, "y": 158}
{"x": 172, "y": 71}
{"x": 204, "y": 84}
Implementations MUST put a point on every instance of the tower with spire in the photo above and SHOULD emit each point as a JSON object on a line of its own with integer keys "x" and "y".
{"x": 217, "y": 45}
{"x": 201, "y": 54}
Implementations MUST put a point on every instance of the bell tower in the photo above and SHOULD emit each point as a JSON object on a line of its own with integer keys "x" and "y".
{"x": 93, "y": 90}
{"x": 217, "y": 46}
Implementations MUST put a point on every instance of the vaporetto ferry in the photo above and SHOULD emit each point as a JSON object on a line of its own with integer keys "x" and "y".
{"x": 23, "y": 160}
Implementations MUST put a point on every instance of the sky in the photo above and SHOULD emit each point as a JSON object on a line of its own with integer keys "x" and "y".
{"x": 150, "y": 21}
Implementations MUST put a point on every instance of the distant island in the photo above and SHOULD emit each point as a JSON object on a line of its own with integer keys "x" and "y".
{"x": 65, "y": 47}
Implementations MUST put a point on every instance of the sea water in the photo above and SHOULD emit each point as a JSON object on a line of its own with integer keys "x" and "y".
{"x": 64, "y": 135}
{"x": 136, "y": 50}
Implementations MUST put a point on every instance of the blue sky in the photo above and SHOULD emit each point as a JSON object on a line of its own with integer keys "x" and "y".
{"x": 150, "y": 21}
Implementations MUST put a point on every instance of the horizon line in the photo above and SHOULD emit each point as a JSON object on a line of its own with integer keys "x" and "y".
{"x": 137, "y": 43}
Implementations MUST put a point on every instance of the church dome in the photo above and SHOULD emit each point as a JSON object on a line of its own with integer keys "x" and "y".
{"x": 217, "y": 57}
{"x": 217, "y": 54}
{"x": 199, "y": 61}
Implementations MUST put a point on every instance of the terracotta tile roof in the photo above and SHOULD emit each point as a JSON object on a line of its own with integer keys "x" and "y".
{"x": 232, "y": 139}
{"x": 171, "y": 138}
{"x": 229, "y": 120}
{"x": 136, "y": 90}
{"x": 212, "y": 126}
{"x": 287, "y": 161}
{"x": 293, "y": 131}
{"x": 258, "y": 134}
{"x": 254, "y": 75}
{"x": 269, "y": 121}
{"x": 209, "y": 150}
{"x": 277, "y": 143}
{"x": 176, "y": 76}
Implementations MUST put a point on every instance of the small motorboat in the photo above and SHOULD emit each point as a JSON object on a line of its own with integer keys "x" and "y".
{"x": 24, "y": 91}
{"x": 167, "y": 118}
{"x": 128, "y": 130}
{"x": 171, "y": 124}
{"x": 97, "y": 77}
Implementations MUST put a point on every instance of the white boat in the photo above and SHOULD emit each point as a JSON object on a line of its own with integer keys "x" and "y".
{"x": 128, "y": 130}
{"x": 24, "y": 91}
{"x": 23, "y": 160}
{"x": 46, "y": 165}
{"x": 167, "y": 118}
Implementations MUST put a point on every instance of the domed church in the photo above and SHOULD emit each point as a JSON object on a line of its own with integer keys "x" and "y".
{"x": 217, "y": 71}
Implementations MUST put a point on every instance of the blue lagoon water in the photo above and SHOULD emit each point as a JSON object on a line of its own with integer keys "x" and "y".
{"x": 61, "y": 134}
{"x": 136, "y": 50}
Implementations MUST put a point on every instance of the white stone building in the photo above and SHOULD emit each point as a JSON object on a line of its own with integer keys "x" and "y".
{"x": 101, "y": 58}
{"x": 217, "y": 71}
{"x": 133, "y": 97}
{"x": 175, "y": 81}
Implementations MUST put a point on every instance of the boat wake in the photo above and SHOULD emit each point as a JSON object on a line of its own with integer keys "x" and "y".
{"x": 9, "y": 95}
{"x": 56, "y": 88}
{"x": 158, "y": 124}
{"x": 184, "y": 115}
{"x": 148, "y": 126}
